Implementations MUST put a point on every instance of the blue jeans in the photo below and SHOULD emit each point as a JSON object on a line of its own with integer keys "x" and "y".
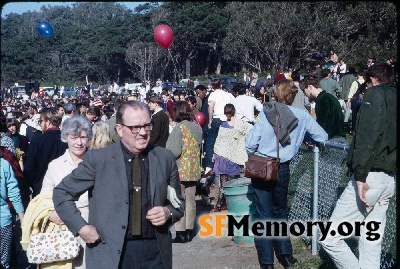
{"x": 212, "y": 134}
{"x": 270, "y": 199}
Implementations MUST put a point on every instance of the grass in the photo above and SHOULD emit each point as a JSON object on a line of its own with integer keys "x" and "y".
{"x": 305, "y": 260}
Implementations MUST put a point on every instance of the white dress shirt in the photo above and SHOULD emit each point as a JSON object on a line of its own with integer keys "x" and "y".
{"x": 57, "y": 170}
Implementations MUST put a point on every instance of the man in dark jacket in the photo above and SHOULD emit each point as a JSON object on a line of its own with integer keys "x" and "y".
{"x": 160, "y": 120}
{"x": 372, "y": 161}
{"x": 327, "y": 109}
{"x": 43, "y": 149}
{"x": 203, "y": 94}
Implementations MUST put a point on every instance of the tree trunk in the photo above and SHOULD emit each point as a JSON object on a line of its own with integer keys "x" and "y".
{"x": 219, "y": 65}
{"x": 187, "y": 70}
{"x": 145, "y": 64}
{"x": 118, "y": 75}
{"x": 207, "y": 65}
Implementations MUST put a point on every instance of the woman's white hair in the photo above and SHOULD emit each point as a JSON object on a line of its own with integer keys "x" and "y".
{"x": 75, "y": 125}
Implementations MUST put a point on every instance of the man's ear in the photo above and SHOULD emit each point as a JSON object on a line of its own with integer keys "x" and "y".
{"x": 118, "y": 129}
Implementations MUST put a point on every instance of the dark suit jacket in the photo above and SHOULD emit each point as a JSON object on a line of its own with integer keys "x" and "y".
{"x": 204, "y": 106}
{"x": 103, "y": 172}
{"x": 159, "y": 134}
{"x": 42, "y": 150}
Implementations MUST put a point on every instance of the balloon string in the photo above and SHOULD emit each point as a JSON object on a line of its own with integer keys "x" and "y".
{"x": 80, "y": 58}
{"x": 175, "y": 70}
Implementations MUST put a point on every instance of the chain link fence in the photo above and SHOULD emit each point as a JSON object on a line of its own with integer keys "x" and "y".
{"x": 332, "y": 181}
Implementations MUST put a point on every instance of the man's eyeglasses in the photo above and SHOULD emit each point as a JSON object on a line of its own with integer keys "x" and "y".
{"x": 135, "y": 129}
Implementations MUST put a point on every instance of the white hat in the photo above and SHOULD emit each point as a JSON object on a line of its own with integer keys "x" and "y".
{"x": 10, "y": 115}
{"x": 34, "y": 122}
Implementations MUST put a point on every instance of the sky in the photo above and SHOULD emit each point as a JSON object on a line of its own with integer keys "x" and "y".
{"x": 21, "y": 7}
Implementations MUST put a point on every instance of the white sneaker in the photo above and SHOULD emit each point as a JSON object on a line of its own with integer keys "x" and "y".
{"x": 208, "y": 171}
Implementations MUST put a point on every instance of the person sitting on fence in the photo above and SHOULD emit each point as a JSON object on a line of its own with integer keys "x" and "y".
{"x": 270, "y": 198}
{"x": 372, "y": 161}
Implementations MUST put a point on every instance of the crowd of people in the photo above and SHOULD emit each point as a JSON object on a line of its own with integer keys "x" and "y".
{"x": 119, "y": 170}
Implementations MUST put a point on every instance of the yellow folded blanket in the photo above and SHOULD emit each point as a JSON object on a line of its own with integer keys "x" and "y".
{"x": 37, "y": 211}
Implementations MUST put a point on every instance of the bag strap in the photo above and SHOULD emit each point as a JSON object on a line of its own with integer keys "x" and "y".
{"x": 277, "y": 134}
{"x": 46, "y": 220}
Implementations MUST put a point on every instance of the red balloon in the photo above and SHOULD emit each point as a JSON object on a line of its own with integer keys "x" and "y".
{"x": 200, "y": 118}
{"x": 163, "y": 35}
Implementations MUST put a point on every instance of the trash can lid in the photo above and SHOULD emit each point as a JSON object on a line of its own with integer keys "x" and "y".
{"x": 243, "y": 181}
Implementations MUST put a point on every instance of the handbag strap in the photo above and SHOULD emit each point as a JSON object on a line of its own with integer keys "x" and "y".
{"x": 46, "y": 220}
{"x": 277, "y": 133}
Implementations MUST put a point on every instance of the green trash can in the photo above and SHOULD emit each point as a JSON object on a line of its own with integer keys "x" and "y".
{"x": 239, "y": 195}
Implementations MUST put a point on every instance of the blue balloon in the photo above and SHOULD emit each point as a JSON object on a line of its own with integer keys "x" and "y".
{"x": 45, "y": 28}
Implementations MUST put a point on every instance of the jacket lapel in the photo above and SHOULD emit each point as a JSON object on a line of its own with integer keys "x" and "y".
{"x": 120, "y": 168}
{"x": 153, "y": 174}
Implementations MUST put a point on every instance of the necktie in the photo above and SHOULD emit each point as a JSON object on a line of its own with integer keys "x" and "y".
{"x": 137, "y": 196}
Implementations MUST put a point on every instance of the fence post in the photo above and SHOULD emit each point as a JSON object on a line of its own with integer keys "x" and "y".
{"x": 315, "y": 201}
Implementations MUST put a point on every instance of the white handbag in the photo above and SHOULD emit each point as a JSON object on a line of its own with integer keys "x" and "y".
{"x": 51, "y": 247}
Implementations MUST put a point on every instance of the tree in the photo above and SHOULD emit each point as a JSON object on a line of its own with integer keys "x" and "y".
{"x": 107, "y": 42}
{"x": 198, "y": 26}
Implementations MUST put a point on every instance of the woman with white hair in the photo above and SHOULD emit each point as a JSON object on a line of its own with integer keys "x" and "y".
{"x": 77, "y": 132}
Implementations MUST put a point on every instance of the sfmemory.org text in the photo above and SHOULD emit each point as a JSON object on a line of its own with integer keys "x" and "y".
{"x": 211, "y": 225}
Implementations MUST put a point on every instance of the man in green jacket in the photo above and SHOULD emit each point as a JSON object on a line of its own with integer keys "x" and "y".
{"x": 372, "y": 161}
{"x": 327, "y": 109}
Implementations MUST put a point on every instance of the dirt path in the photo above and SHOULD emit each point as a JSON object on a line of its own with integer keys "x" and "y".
{"x": 212, "y": 252}
{"x": 215, "y": 252}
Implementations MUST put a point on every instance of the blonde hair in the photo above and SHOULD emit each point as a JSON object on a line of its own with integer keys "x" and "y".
{"x": 101, "y": 135}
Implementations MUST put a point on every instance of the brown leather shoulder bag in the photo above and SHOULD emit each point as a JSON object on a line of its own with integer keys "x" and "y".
{"x": 264, "y": 168}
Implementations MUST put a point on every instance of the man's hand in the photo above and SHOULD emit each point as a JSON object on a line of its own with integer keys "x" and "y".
{"x": 89, "y": 234}
{"x": 158, "y": 215}
{"x": 55, "y": 218}
{"x": 362, "y": 188}
{"x": 348, "y": 104}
